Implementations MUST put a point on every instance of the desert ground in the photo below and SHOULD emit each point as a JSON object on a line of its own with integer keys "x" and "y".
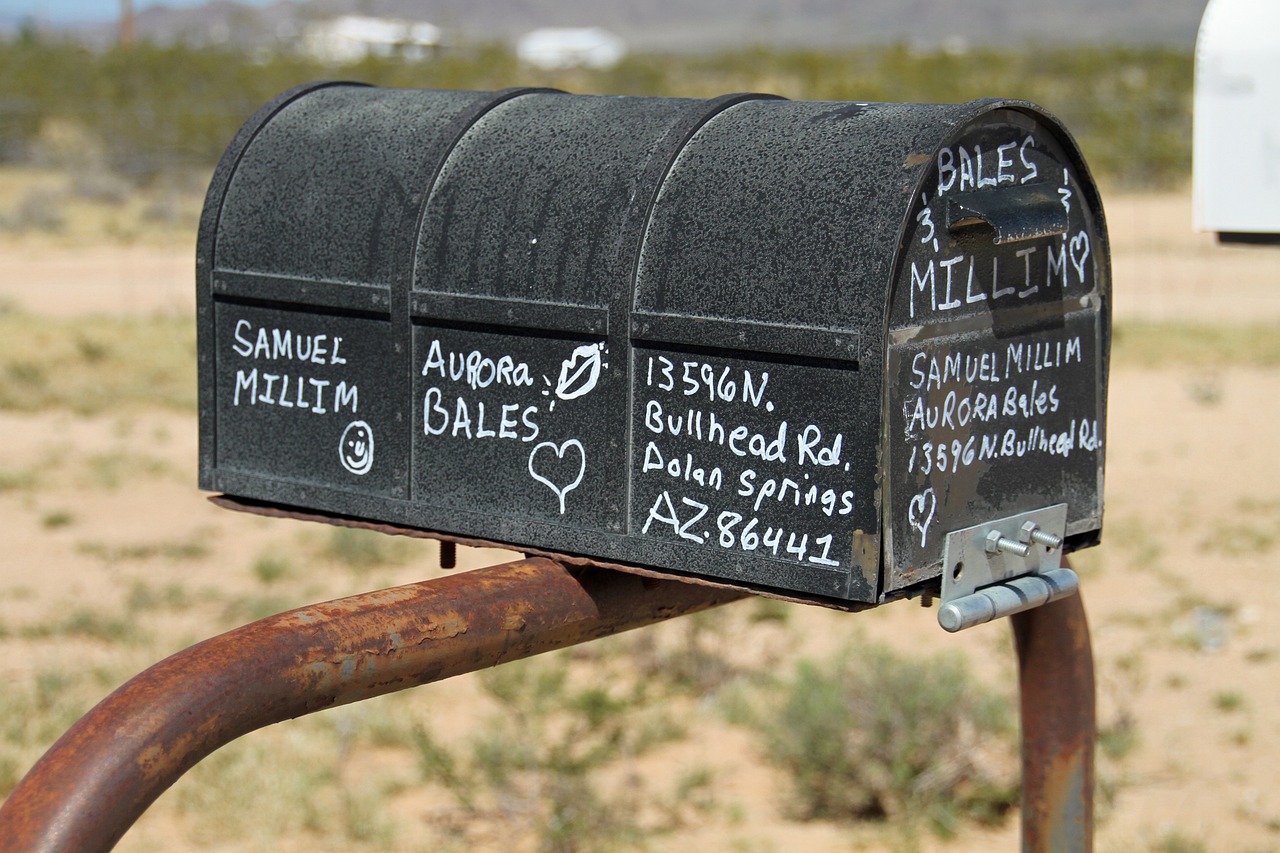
{"x": 113, "y": 559}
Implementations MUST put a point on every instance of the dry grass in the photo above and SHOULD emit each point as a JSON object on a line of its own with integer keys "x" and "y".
{"x": 1184, "y": 344}
{"x": 57, "y": 209}
{"x": 96, "y": 365}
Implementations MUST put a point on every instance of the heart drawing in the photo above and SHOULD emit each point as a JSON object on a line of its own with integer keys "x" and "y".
{"x": 553, "y": 465}
{"x": 1079, "y": 251}
{"x": 920, "y": 513}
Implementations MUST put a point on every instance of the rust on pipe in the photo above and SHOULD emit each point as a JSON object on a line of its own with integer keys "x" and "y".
{"x": 91, "y": 785}
{"x": 1059, "y": 718}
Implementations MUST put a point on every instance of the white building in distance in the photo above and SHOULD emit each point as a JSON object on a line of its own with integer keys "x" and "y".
{"x": 584, "y": 47}
{"x": 351, "y": 38}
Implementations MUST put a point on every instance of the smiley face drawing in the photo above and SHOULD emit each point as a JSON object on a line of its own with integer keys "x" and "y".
{"x": 356, "y": 448}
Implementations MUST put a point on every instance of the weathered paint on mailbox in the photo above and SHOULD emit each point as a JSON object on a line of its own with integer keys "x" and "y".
{"x": 787, "y": 345}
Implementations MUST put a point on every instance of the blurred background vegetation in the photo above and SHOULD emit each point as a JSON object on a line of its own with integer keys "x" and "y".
{"x": 138, "y": 114}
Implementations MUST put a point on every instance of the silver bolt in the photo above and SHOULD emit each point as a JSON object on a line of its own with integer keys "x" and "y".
{"x": 1032, "y": 532}
{"x": 996, "y": 544}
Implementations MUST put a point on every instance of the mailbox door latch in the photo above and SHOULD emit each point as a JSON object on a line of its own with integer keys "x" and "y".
{"x": 1003, "y": 567}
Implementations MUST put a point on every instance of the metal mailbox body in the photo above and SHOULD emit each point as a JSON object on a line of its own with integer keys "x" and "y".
{"x": 784, "y": 345}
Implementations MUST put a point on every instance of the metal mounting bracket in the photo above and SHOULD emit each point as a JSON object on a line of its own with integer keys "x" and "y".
{"x": 1003, "y": 567}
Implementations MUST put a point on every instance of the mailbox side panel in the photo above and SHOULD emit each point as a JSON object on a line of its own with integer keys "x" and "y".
{"x": 524, "y": 266}
{"x": 998, "y": 341}
{"x": 756, "y": 403}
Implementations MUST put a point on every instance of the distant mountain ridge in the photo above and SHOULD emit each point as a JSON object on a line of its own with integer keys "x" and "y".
{"x": 682, "y": 25}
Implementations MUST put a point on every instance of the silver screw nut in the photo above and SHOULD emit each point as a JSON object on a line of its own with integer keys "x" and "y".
{"x": 997, "y": 544}
{"x": 993, "y": 542}
{"x": 1032, "y": 532}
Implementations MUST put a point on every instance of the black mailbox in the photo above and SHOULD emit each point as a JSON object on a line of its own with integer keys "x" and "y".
{"x": 800, "y": 347}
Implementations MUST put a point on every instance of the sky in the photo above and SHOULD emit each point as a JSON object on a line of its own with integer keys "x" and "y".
{"x": 83, "y": 11}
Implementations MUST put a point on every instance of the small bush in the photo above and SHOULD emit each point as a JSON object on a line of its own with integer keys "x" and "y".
{"x": 259, "y": 787}
{"x": 1195, "y": 345}
{"x": 1118, "y": 740}
{"x": 12, "y": 480}
{"x": 362, "y": 549}
{"x": 174, "y": 551}
{"x": 772, "y": 610}
{"x": 143, "y": 598}
{"x": 100, "y": 186}
{"x": 10, "y": 774}
{"x": 84, "y": 623}
{"x": 1228, "y": 701}
{"x": 35, "y": 711}
{"x": 55, "y": 519}
{"x": 693, "y": 659}
{"x": 246, "y": 609}
{"x": 270, "y": 568}
{"x": 1176, "y": 841}
{"x": 40, "y": 210}
{"x": 536, "y": 767}
{"x": 96, "y": 364}
{"x": 871, "y": 735}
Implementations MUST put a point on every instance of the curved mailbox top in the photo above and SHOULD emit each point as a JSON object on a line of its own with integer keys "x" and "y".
{"x": 788, "y": 345}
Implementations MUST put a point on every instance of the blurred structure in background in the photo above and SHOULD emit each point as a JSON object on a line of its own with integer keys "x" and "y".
{"x": 1236, "y": 145}
{"x": 351, "y": 38}
{"x": 550, "y": 48}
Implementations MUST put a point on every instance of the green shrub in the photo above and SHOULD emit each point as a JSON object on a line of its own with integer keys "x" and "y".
{"x": 536, "y": 765}
{"x": 270, "y": 568}
{"x": 1176, "y": 841}
{"x": 872, "y": 735}
{"x": 362, "y": 549}
{"x": 95, "y": 364}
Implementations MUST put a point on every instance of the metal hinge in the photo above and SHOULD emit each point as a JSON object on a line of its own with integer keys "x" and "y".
{"x": 1004, "y": 567}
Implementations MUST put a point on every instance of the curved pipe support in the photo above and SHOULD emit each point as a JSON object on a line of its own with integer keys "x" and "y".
{"x": 100, "y": 776}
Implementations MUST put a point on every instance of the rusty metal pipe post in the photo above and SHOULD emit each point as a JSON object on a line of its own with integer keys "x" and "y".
{"x": 101, "y": 775}
{"x": 92, "y": 785}
{"x": 1059, "y": 726}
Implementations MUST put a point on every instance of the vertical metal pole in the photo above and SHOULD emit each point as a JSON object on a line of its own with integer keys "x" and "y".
{"x": 1059, "y": 726}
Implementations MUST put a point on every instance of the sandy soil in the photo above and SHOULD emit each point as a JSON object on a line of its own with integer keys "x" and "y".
{"x": 1163, "y": 271}
{"x": 1181, "y": 596}
{"x": 99, "y": 279}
